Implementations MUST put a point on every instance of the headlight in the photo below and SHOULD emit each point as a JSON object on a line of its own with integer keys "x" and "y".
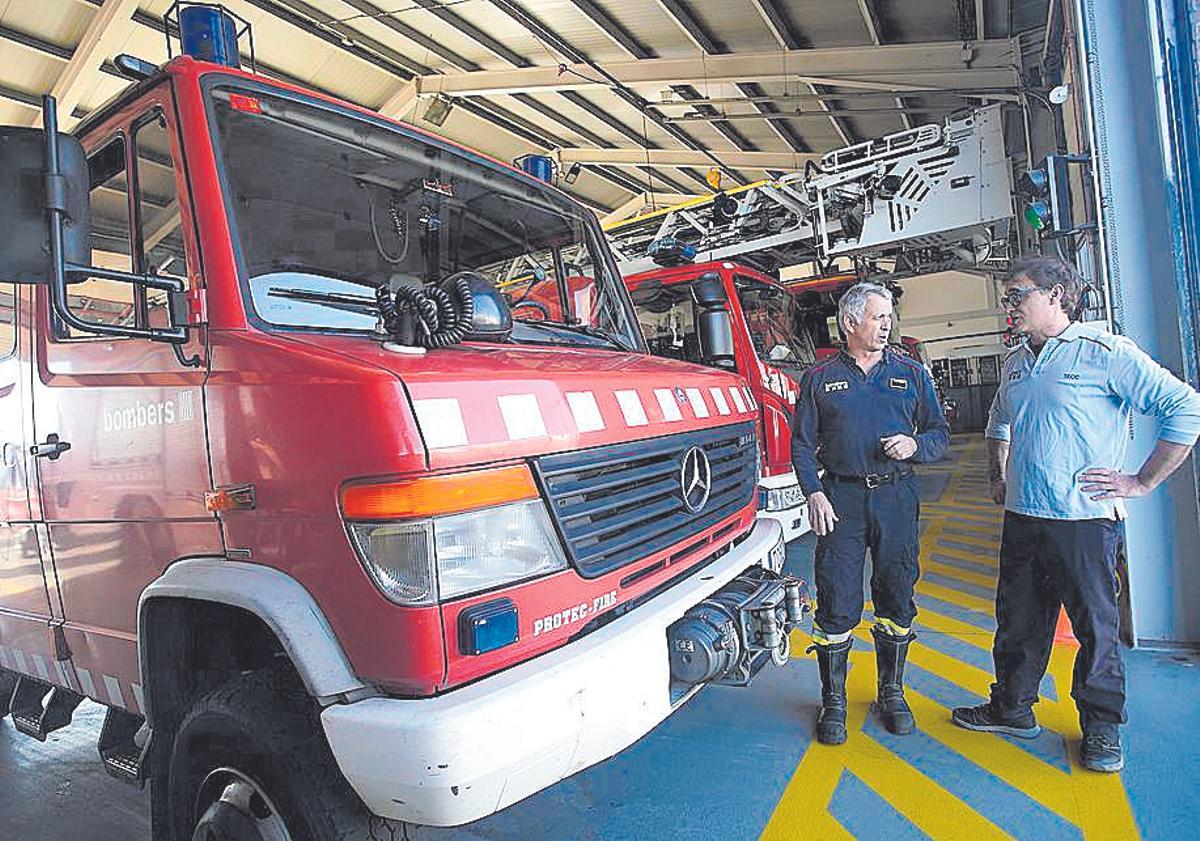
{"x": 484, "y": 549}
{"x": 451, "y": 554}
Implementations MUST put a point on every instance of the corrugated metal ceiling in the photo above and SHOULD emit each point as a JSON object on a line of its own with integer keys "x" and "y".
{"x": 366, "y": 50}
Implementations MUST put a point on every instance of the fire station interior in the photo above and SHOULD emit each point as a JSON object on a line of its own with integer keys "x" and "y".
{"x": 675, "y": 122}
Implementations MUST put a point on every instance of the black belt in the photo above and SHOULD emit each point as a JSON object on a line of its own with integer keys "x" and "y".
{"x": 871, "y": 480}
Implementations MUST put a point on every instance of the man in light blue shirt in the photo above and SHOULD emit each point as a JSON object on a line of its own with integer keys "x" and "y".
{"x": 1057, "y": 434}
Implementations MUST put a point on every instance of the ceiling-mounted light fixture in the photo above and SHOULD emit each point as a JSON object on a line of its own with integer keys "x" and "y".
{"x": 437, "y": 110}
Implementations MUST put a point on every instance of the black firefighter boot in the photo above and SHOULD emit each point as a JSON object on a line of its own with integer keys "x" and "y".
{"x": 831, "y": 660}
{"x": 890, "y": 654}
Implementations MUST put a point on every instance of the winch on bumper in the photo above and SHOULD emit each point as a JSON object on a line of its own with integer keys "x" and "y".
{"x": 731, "y": 635}
{"x": 461, "y": 756}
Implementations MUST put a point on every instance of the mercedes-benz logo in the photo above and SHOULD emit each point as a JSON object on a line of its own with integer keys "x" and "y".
{"x": 695, "y": 479}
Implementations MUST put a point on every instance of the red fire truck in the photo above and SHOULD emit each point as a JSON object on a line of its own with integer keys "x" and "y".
{"x": 288, "y": 487}
{"x": 735, "y": 318}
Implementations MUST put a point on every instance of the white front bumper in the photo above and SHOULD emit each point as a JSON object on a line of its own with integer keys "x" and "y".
{"x": 448, "y": 760}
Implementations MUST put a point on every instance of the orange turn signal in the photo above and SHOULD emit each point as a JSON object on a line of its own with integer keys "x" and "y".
{"x": 429, "y": 496}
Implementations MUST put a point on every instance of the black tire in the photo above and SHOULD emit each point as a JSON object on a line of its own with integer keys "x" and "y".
{"x": 263, "y": 726}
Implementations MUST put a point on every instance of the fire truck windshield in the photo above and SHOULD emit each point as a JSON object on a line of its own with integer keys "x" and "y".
{"x": 326, "y": 206}
{"x": 771, "y": 319}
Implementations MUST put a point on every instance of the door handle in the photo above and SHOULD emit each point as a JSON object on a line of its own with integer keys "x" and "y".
{"x": 51, "y": 448}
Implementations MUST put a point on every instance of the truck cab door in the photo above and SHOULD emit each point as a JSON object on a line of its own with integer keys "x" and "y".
{"x": 120, "y": 421}
{"x": 27, "y": 606}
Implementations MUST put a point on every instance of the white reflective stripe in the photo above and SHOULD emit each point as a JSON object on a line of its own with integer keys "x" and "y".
{"x": 749, "y": 397}
{"x": 668, "y": 404}
{"x": 40, "y": 665}
{"x": 138, "y": 699}
{"x": 113, "y": 687}
{"x": 586, "y": 412}
{"x": 522, "y": 416}
{"x": 632, "y": 408}
{"x": 718, "y": 397}
{"x": 697, "y": 400}
{"x": 85, "y": 683}
{"x": 739, "y": 399}
{"x": 441, "y": 422}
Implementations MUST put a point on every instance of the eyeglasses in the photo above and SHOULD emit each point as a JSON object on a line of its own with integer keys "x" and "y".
{"x": 1013, "y": 297}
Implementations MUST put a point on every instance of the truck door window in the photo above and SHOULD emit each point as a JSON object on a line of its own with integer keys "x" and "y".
{"x": 772, "y": 321}
{"x": 96, "y": 299}
{"x": 8, "y": 319}
{"x": 668, "y": 318}
{"x": 160, "y": 235}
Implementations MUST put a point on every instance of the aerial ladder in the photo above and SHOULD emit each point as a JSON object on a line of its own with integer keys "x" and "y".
{"x": 931, "y": 198}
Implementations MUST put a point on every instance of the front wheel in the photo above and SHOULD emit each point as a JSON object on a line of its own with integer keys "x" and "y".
{"x": 249, "y": 763}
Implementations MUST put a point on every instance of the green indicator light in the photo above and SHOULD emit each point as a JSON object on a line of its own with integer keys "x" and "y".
{"x": 1037, "y": 214}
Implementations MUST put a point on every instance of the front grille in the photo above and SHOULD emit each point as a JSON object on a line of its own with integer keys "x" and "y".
{"x": 615, "y": 504}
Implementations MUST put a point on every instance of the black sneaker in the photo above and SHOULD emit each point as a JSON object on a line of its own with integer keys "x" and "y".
{"x": 1101, "y": 752}
{"x": 987, "y": 718}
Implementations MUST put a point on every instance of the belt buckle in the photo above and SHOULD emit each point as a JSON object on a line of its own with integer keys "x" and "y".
{"x": 873, "y": 480}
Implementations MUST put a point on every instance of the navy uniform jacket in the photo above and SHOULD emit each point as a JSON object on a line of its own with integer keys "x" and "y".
{"x": 842, "y": 413}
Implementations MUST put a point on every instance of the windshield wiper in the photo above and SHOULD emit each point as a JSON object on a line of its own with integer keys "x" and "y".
{"x": 583, "y": 329}
{"x": 362, "y": 304}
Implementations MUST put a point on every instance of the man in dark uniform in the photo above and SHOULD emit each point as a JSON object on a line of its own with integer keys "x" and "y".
{"x": 865, "y": 415}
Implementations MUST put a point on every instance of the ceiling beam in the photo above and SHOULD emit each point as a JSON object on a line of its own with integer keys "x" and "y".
{"x": 640, "y": 202}
{"x": 36, "y": 44}
{"x": 545, "y": 35}
{"x": 900, "y": 110}
{"x": 22, "y": 98}
{"x": 109, "y": 27}
{"x": 871, "y": 20}
{"x": 788, "y": 161}
{"x": 890, "y": 67}
{"x": 619, "y": 35}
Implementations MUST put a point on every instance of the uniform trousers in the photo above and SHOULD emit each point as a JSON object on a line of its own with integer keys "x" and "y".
{"x": 884, "y": 521}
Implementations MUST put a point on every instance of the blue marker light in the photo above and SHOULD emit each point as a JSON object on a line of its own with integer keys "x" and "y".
{"x": 488, "y": 626}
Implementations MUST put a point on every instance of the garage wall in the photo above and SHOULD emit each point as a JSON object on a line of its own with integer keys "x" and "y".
{"x": 947, "y": 309}
{"x": 1126, "y": 60}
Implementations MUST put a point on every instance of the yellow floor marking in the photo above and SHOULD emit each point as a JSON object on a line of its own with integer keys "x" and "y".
{"x": 803, "y": 810}
{"x": 961, "y": 574}
{"x": 1096, "y": 803}
{"x": 937, "y": 623}
{"x": 979, "y": 557}
{"x": 1037, "y": 780}
{"x": 956, "y": 597}
{"x": 987, "y": 544}
{"x": 975, "y": 527}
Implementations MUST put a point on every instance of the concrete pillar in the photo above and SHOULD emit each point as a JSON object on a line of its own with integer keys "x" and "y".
{"x": 1122, "y": 47}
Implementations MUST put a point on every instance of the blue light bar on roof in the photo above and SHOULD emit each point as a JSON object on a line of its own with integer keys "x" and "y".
{"x": 209, "y": 33}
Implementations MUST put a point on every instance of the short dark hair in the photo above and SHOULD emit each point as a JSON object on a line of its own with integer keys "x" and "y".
{"x": 1045, "y": 272}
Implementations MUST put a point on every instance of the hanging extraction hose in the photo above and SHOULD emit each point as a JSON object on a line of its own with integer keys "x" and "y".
{"x": 434, "y": 316}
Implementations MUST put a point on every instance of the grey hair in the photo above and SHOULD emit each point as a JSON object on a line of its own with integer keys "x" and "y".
{"x": 854, "y": 302}
{"x": 1045, "y": 272}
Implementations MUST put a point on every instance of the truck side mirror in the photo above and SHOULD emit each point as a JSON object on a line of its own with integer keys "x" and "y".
{"x": 714, "y": 328}
{"x": 45, "y": 213}
{"x": 24, "y": 187}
